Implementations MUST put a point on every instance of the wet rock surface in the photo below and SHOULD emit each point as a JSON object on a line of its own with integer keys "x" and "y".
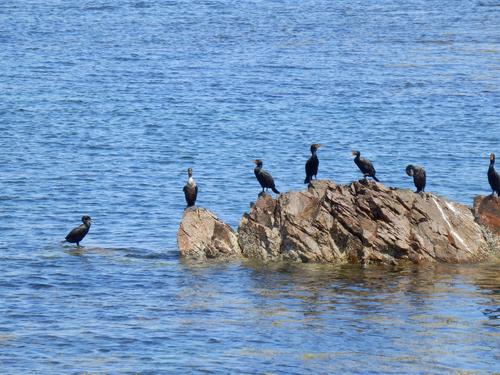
{"x": 363, "y": 222}
{"x": 487, "y": 212}
{"x": 202, "y": 235}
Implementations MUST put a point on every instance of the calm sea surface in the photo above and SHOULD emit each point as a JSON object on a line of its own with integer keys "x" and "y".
{"x": 105, "y": 104}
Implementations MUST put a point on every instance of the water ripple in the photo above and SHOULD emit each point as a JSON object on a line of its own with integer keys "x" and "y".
{"x": 104, "y": 107}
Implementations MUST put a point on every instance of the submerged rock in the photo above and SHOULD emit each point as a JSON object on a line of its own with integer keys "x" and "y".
{"x": 361, "y": 222}
{"x": 487, "y": 212}
{"x": 202, "y": 235}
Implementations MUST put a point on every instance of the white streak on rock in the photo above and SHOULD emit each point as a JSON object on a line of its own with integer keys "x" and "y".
{"x": 450, "y": 206}
{"x": 445, "y": 218}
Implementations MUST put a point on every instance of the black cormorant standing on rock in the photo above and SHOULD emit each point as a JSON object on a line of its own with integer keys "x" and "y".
{"x": 312, "y": 164}
{"x": 419, "y": 177}
{"x": 264, "y": 178}
{"x": 493, "y": 177}
{"x": 78, "y": 233}
{"x": 190, "y": 189}
{"x": 365, "y": 166}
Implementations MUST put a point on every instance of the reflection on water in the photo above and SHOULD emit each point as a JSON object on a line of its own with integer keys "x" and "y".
{"x": 438, "y": 318}
{"x": 126, "y": 310}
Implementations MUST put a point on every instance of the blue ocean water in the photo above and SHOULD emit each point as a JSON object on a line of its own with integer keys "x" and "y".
{"x": 103, "y": 107}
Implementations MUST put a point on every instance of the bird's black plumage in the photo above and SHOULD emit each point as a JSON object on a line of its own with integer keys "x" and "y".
{"x": 312, "y": 164}
{"x": 493, "y": 177}
{"x": 78, "y": 233}
{"x": 265, "y": 179}
{"x": 190, "y": 189}
{"x": 365, "y": 166}
{"x": 419, "y": 177}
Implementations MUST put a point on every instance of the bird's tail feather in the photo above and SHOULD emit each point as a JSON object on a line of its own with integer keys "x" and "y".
{"x": 376, "y": 179}
{"x": 275, "y": 190}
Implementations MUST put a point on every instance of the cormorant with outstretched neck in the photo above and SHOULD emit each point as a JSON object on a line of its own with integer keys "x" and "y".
{"x": 419, "y": 177}
{"x": 312, "y": 164}
{"x": 364, "y": 166}
{"x": 493, "y": 177}
{"x": 265, "y": 179}
{"x": 190, "y": 189}
{"x": 78, "y": 233}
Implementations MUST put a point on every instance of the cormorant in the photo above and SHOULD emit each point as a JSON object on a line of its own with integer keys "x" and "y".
{"x": 78, "y": 233}
{"x": 264, "y": 178}
{"x": 190, "y": 189}
{"x": 365, "y": 166}
{"x": 312, "y": 164}
{"x": 419, "y": 177}
{"x": 493, "y": 177}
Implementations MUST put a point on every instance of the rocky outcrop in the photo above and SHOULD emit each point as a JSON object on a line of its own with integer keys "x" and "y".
{"x": 202, "y": 235}
{"x": 362, "y": 222}
{"x": 487, "y": 212}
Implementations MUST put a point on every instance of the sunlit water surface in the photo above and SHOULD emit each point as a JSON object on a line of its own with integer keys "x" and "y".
{"x": 104, "y": 105}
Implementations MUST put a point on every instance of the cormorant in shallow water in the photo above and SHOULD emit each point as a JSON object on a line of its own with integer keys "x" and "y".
{"x": 190, "y": 189}
{"x": 264, "y": 178}
{"x": 493, "y": 177}
{"x": 419, "y": 177}
{"x": 78, "y": 233}
{"x": 365, "y": 166}
{"x": 312, "y": 164}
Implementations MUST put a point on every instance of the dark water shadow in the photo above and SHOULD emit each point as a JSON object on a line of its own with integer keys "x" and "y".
{"x": 120, "y": 252}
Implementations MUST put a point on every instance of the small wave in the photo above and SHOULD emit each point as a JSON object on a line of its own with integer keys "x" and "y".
{"x": 437, "y": 41}
{"x": 99, "y": 8}
{"x": 153, "y": 256}
{"x": 141, "y": 5}
{"x": 40, "y": 286}
{"x": 489, "y": 3}
{"x": 124, "y": 58}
